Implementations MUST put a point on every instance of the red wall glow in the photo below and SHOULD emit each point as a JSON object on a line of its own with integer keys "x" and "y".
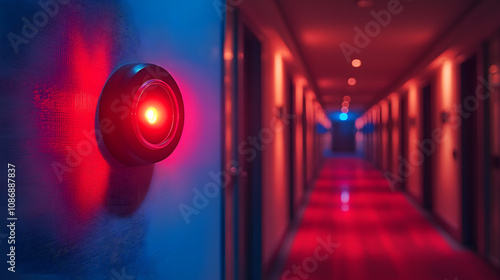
{"x": 275, "y": 156}
{"x": 447, "y": 188}
{"x": 395, "y": 133}
{"x": 67, "y": 118}
{"x": 414, "y": 180}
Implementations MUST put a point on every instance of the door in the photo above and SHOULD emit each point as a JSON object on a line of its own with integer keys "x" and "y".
{"x": 492, "y": 193}
{"x": 427, "y": 134}
{"x": 403, "y": 138}
{"x": 389, "y": 137}
{"x": 344, "y": 136}
{"x": 250, "y": 180}
{"x": 243, "y": 162}
{"x": 468, "y": 78}
{"x": 305, "y": 129}
{"x": 291, "y": 146}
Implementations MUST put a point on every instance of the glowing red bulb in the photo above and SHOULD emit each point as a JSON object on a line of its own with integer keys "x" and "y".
{"x": 151, "y": 115}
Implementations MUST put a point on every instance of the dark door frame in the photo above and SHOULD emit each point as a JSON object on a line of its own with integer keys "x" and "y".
{"x": 403, "y": 117}
{"x": 246, "y": 121}
{"x": 252, "y": 180}
{"x": 468, "y": 77}
{"x": 427, "y": 114}
{"x": 390, "y": 125}
{"x": 304, "y": 139}
{"x": 344, "y": 136}
{"x": 380, "y": 143}
{"x": 292, "y": 143}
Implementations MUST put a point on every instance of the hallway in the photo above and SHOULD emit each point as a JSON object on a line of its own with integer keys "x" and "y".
{"x": 250, "y": 140}
{"x": 374, "y": 233}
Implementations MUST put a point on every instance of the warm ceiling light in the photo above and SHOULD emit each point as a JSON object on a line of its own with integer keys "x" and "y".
{"x": 365, "y": 3}
{"x": 351, "y": 81}
{"x": 345, "y": 104}
{"x": 344, "y": 110}
{"x": 228, "y": 55}
{"x": 356, "y": 63}
{"x": 347, "y": 98}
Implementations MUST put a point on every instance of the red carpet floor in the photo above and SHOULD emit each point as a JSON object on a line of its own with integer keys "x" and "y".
{"x": 371, "y": 233}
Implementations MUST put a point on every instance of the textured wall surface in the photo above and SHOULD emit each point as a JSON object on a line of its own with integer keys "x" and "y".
{"x": 82, "y": 215}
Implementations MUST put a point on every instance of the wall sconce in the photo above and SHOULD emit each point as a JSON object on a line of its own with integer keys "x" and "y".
{"x": 413, "y": 121}
{"x": 280, "y": 112}
{"x": 445, "y": 117}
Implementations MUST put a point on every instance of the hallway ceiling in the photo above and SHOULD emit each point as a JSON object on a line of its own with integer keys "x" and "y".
{"x": 321, "y": 26}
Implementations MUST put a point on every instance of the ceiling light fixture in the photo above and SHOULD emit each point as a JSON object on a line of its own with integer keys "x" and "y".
{"x": 365, "y": 3}
{"x": 356, "y": 63}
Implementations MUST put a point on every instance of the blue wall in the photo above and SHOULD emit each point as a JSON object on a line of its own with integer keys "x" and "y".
{"x": 82, "y": 215}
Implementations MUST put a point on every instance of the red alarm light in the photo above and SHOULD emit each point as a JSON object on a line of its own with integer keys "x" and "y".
{"x": 143, "y": 105}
